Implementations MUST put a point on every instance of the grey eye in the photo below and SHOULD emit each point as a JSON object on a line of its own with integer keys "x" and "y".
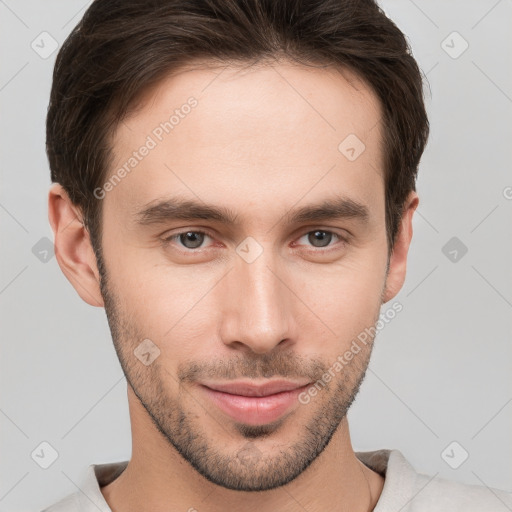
{"x": 192, "y": 239}
{"x": 320, "y": 238}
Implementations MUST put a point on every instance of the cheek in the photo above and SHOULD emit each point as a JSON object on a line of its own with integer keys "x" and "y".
{"x": 344, "y": 299}
{"x": 171, "y": 306}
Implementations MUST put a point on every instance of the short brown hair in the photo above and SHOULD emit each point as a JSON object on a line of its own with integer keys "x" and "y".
{"x": 121, "y": 48}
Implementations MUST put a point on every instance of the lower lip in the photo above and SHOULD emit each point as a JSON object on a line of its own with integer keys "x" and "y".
{"x": 255, "y": 410}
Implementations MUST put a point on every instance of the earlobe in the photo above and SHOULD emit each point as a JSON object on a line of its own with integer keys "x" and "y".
{"x": 398, "y": 259}
{"x": 73, "y": 249}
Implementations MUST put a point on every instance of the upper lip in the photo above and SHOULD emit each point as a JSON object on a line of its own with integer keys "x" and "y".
{"x": 248, "y": 388}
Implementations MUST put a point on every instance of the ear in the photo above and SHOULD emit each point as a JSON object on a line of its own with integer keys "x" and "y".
{"x": 398, "y": 259}
{"x": 73, "y": 248}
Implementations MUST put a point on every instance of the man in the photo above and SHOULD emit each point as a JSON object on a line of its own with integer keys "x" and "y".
{"x": 234, "y": 181}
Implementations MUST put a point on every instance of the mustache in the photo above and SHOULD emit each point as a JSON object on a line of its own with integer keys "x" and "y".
{"x": 287, "y": 366}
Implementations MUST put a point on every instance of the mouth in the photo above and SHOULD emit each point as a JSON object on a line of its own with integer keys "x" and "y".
{"x": 255, "y": 404}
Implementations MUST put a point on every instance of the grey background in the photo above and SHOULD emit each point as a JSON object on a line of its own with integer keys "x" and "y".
{"x": 440, "y": 370}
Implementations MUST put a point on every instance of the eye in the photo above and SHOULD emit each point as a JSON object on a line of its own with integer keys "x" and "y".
{"x": 321, "y": 238}
{"x": 195, "y": 239}
{"x": 192, "y": 239}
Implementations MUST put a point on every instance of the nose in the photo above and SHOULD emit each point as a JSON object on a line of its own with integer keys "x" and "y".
{"x": 256, "y": 306}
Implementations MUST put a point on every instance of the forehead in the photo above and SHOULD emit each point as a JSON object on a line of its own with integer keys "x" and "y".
{"x": 273, "y": 132}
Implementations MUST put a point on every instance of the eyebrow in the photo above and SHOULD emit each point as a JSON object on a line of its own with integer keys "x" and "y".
{"x": 190, "y": 210}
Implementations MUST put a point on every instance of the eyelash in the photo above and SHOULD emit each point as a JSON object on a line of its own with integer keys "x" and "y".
{"x": 169, "y": 239}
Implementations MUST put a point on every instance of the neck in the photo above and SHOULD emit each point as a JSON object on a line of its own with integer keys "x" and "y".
{"x": 158, "y": 479}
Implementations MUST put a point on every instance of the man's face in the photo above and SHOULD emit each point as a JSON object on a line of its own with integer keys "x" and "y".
{"x": 266, "y": 296}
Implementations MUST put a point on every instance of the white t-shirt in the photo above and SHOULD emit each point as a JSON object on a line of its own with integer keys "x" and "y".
{"x": 404, "y": 489}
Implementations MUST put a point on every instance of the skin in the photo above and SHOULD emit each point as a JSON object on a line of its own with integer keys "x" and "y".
{"x": 262, "y": 141}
